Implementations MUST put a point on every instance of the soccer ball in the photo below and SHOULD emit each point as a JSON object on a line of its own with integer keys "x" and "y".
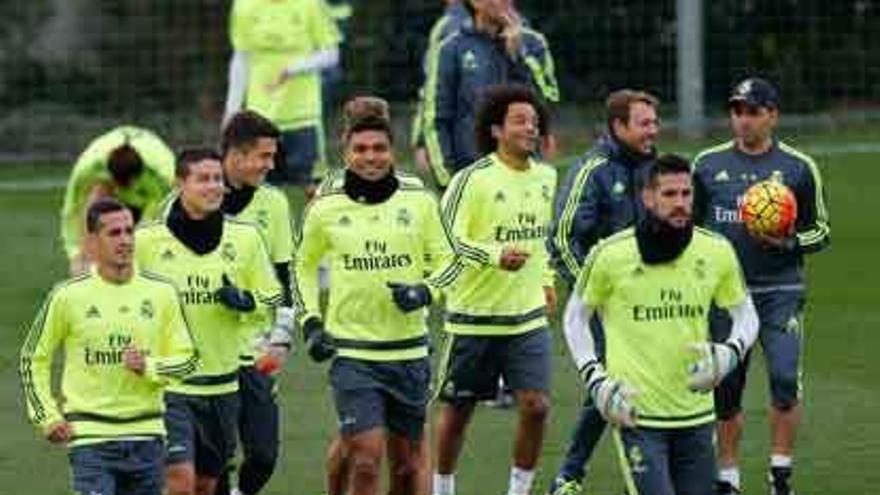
{"x": 768, "y": 208}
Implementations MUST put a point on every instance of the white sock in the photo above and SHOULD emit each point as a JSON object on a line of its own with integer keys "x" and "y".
{"x": 780, "y": 461}
{"x": 520, "y": 481}
{"x": 730, "y": 475}
{"x": 444, "y": 484}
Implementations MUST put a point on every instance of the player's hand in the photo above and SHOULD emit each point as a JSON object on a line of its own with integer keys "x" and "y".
{"x": 513, "y": 258}
{"x": 551, "y": 300}
{"x": 714, "y": 362}
{"x": 511, "y": 32}
{"x": 234, "y": 298}
{"x": 134, "y": 360}
{"x": 409, "y": 297}
{"x": 423, "y": 162}
{"x": 319, "y": 345}
{"x": 60, "y": 432}
{"x": 279, "y": 81}
{"x": 614, "y": 399}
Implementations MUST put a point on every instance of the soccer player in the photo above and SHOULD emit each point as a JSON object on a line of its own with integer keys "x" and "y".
{"x": 600, "y": 196}
{"x": 249, "y": 144}
{"x": 499, "y": 209}
{"x": 128, "y": 163}
{"x": 492, "y": 48}
{"x": 773, "y": 269}
{"x": 380, "y": 233}
{"x": 125, "y": 338}
{"x": 228, "y": 286}
{"x": 279, "y": 51}
{"x": 653, "y": 285}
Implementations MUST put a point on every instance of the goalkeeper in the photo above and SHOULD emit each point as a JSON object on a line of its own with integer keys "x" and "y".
{"x": 653, "y": 285}
{"x": 773, "y": 269}
{"x": 132, "y": 165}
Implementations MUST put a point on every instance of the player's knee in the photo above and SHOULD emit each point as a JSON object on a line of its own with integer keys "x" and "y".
{"x": 785, "y": 389}
{"x": 365, "y": 466}
{"x": 180, "y": 480}
{"x": 535, "y": 407}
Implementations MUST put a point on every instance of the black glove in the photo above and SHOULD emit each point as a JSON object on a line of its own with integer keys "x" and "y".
{"x": 234, "y": 298}
{"x": 409, "y": 297}
{"x": 318, "y": 344}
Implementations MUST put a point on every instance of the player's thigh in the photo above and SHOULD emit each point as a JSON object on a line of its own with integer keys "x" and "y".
{"x": 143, "y": 470}
{"x": 643, "y": 454}
{"x": 91, "y": 470}
{"x": 258, "y": 421}
{"x": 692, "y": 460}
{"x": 357, "y": 396}
{"x": 526, "y": 361}
{"x": 407, "y": 390}
{"x": 782, "y": 341}
{"x": 180, "y": 425}
{"x": 216, "y": 432}
{"x": 469, "y": 369}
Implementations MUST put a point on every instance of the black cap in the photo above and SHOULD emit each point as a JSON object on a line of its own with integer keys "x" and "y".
{"x": 756, "y": 92}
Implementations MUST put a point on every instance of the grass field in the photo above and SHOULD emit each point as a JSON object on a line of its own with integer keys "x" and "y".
{"x": 838, "y": 453}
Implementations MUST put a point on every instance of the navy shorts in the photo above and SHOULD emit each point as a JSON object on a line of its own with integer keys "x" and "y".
{"x": 375, "y": 394}
{"x": 299, "y": 151}
{"x": 781, "y": 334}
{"x": 201, "y": 430}
{"x": 474, "y": 363}
{"x": 669, "y": 461}
{"x": 126, "y": 467}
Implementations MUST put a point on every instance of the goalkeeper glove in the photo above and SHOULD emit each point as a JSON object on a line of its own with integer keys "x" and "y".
{"x": 275, "y": 346}
{"x": 319, "y": 345}
{"x": 714, "y": 363}
{"x": 234, "y": 298}
{"x": 612, "y": 397}
{"x": 409, "y": 297}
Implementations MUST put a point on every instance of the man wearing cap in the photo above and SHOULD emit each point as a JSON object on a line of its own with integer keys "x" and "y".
{"x": 773, "y": 269}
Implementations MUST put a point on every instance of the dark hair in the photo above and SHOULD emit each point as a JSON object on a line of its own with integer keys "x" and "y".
{"x": 244, "y": 129}
{"x": 99, "y": 208}
{"x": 188, "y": 156}
{"x": 667, "y": 164}
{"x": 124, "y": 164}
{"x": 493, "y": 108}
{"x": 469, "y": 5}
{"x": 618, "y": 104}
{"x": 365, "y": 113}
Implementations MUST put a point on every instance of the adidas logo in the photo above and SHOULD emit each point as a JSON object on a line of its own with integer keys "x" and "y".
{"x": 618, "y": 188}
{"x": 499, "y": 197}
{"x": 344, "y": 221}
{"x": 722, "y": 176}
{"x": 469, "y": 61}
{"x": 93, "y": 312}
{"x": 167, "y": 255}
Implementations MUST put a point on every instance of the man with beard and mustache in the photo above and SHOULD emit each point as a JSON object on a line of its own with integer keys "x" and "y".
{"x": 773, "y": 269}
{"x": 600, "y": 196}
{"x": 653, "y": 285}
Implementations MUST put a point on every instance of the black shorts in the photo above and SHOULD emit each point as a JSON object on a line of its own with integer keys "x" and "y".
{"x": 473, "y": 364}
{"x": 201, "y": 430}
{"x": 370, "y": 394}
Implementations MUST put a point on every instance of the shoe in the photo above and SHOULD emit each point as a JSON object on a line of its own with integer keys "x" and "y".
{"x": 562, "y": 486}
{"x": 779, "y": 481}
{"x": 726, "y": 488}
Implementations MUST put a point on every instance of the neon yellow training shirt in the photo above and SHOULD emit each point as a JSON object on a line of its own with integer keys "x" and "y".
{"x": 93, "y": 320}
{"x": 651, "y": 313}
{"x": 489, "y": 206}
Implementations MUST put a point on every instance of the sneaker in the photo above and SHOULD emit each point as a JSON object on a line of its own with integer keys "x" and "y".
{"x": 779, "y": 481}
{"x": 726, "y": 488}
{"x": 562, "y": 486}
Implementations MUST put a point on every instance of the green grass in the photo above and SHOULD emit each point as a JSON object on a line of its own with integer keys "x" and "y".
{"x": 838, "y": 451}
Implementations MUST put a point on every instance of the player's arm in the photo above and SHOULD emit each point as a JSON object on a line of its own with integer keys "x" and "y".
{"x": 813, "y": 229}
{"x": 82, "y": 187}
{"x": 460, "y": 207}
{"x": 611, "y": 396}
{"x": 239, "y": 67}
{"x": 701, "y": 196}
{"x": 440, "y": 109}
{"x": 281, "y": 247}
{"x": 577, "y": 224}
{"x": 324, "y": 36}
{"x": 177, "y": 356}
{"x": 46, "y": 335}
{"x": 541, "y": 68}
{"x": 311, "y": 249}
